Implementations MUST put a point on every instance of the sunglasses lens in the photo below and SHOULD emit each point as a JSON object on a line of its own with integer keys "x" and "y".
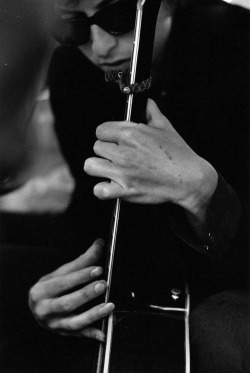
{"x": 119, "y": 18}
{"x": 71, "y": 32}
{"x": 118, "y": 25}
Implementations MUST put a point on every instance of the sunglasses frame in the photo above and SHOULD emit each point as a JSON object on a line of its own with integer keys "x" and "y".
{"x": 75, "y": 31}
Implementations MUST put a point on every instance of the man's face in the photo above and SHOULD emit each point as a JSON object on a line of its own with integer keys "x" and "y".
{"x": 109, "y": 50}
{"x": 104, "y": 49}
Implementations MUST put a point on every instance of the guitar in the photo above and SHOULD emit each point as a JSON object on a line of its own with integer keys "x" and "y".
{"x": 142, "y": 336}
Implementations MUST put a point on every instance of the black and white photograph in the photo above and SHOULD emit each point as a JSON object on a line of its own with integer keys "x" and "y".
{"x": 124, "y": 168}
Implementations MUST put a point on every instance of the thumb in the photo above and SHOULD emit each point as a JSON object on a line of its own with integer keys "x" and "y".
{"x": 154, "y": 116}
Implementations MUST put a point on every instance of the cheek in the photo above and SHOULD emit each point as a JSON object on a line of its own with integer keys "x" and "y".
{"x": 124, "y": 43}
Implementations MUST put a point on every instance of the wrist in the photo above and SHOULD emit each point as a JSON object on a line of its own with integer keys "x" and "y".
{"x": 204, "y": 183}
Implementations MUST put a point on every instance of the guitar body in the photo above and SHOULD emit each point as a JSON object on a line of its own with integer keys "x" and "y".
{"x": 145, "y": 344}
{"x": 148, "y": 337}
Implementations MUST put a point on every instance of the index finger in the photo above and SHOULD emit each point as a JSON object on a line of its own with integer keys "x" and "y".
{"x": 113, "y": 131}
{"x": 89, "y": 258}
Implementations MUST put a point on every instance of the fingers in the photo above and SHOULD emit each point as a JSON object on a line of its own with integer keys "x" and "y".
{"x": 90, "y": 332}
{"x": 70, "y": 302}
{"x": 44, "y": 307}
{"x": 104, "y": 168}
{"x": 100, "y": 167}
{"x": 56, "y": 297}
{"x": 77, "y": 323}
{"x": 89, "y": 258}
{"x": 109, "y": 131}
{"x": 67, "y": 277}
{"x": 93, "y": 333}
{"x": 115, "y": 132}
{"x": 106, "y": 150}
{"x": 106, "y": 190}
{"x": 56, "y": 286}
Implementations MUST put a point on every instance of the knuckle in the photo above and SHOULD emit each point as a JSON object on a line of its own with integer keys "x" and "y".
{"x": 85, "y": 293}
{"x": 65, "y": 306}
{"x": 140, "y": 127}
{"x": 124, "y": 160}
{"x": 131, "y": 190}
{"x": 59, "y": 324}
{"x": 62, "y": 284}
{"x": 70, "y": 324}
{"x": 93, "y": 316}
{"x": 127, "y": 161}
{"x": 82, "y": 276}
{"x": 127, "y": 134}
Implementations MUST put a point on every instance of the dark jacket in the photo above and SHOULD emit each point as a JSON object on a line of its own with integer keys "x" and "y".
{"x": 203, "y": 92}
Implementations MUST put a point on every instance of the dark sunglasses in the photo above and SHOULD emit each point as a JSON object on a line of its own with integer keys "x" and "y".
{"x": 116, "y": 19}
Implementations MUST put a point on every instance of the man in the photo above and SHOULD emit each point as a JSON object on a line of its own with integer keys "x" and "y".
{"x": 183, "y": 215}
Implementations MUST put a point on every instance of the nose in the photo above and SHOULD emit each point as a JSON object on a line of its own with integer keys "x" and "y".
{"x": 102, "y": 42}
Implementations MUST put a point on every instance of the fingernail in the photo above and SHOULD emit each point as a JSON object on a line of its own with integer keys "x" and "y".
{"x": 100, "y": 287}
{"x": 97, "y": 271}
{"x": 106, "y": 309}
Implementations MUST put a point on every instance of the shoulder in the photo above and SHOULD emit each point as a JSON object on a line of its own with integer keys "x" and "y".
{"x": 212, "y": 29}
{"x": 216, "y": 17}
{"x": 69, "y": 72}
{"x": 64, "y": 62}
{"x": 216, "y": 9}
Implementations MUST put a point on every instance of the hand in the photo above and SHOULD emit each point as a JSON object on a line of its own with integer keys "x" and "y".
{"x": 150, "y": 164}
{"x": 54, "y": 298}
